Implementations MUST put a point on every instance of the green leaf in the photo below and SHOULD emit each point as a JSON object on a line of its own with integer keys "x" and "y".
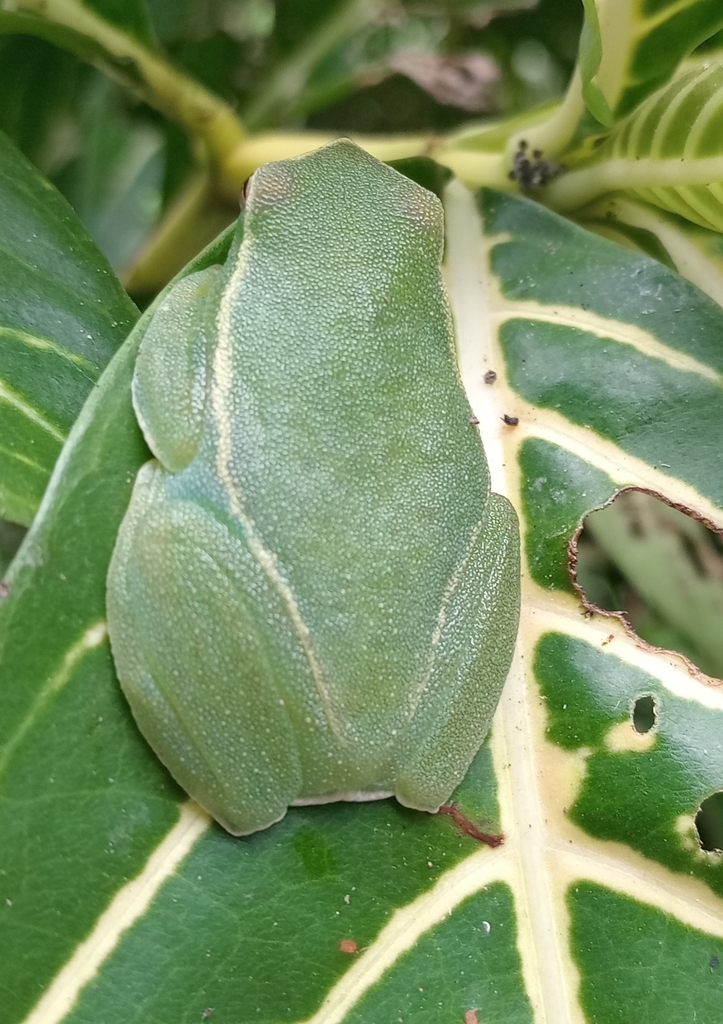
{"x": 131, "y": 16}
{"x": 590, "y": 59}
{"x": 695, "y": 252}
{"x": 611, "y": 362}
{"x": 115, "y": 181}
{"x": 304, "y": 35}
{"x": 120, "y": 901}
{"x": 62, "y": 315}
{"x": 628, "y": 48}
{"x": 669, "y": 151}
{"x": 38, "y": 83}
{"x": 110, "y": 34}
{"x": 59, "y": 684}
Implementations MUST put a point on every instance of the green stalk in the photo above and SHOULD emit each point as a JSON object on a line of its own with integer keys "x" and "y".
{"x": 553, "y": 135}
{"x": 576, "y": 188}
{"x": 172, "y": 92}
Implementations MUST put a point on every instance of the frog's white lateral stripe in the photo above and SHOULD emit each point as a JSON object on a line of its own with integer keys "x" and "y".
{"x": 128, "y": 905}
{"x": 220, "y": 395}
{"x": 406, "y": 927}
{"x": 449, "y": 591}
{"x": 10, "y": 398}
{"x": 92, "y": 638}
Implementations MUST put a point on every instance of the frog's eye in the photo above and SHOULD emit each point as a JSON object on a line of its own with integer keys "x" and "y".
{"x": 245, "y": 191}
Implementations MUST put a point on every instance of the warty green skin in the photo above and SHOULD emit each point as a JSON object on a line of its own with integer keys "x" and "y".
{"x": 314, "y": 595}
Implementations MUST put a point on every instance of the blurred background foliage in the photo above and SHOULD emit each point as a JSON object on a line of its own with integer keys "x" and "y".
{"x": 384, "y": 66}
{"x": 417, "y": 65}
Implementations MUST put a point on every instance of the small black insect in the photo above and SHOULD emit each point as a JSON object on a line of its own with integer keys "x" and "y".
{"x": 532, "y": 173}
{"x": 511, "y": 421}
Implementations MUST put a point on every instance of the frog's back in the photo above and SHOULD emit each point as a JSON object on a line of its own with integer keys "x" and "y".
{"x": 313, "y": 594}
{"x": 337, "y": 425}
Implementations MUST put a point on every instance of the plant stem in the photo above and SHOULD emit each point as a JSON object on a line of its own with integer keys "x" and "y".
{"x": 576, "y": 188}
{"x": 173, "y": 93}
{"x": 194, "y": 219}
{"x": 554, "y": 135}
{"x": 260, "y": 149}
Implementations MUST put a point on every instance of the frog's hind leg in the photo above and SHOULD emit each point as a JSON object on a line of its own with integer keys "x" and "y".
{"x": 195, "y": 658}
{"x": 469, "y": 657}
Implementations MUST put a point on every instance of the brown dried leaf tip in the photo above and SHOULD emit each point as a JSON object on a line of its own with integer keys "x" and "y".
{"x": 469, "y": 828}
{"x": 348, "y": 946}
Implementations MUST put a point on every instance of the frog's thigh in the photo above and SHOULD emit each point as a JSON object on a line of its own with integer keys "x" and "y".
{"x": 467, "y": 666}
{"x": 169, "y": 381}
{"x": 195, "y": 661}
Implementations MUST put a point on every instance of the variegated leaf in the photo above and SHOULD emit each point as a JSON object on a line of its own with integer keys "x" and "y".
{"x": 669, "y": 151}
{"x": 631, "y": 47}
{"x": 694, "y": 251}
{"x": 62, "y": 316}
{"x": 120, "y": 901}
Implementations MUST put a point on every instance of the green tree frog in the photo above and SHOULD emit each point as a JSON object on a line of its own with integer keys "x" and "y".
{"x": 314, "y": 594}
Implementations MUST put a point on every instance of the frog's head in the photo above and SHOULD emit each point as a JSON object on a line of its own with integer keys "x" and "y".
{"x": 330, "y": 192}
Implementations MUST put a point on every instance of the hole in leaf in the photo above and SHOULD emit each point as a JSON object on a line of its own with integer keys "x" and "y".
{"x": 659, "y": 567}
{"x": 644, "y": 714}
{"x": 709, "y": 823}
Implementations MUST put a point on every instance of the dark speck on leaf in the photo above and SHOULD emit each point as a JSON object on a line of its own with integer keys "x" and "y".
{"x": 473, "y": 420}
{"x": 490, "y": 377}
{"x": 511, "y": 421}
{"x": 715, "y": 961}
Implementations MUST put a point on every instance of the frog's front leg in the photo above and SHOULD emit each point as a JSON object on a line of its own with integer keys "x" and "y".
{"x": 169, "y": 382}
{"x": 210, "y": 666}
{"x": 468, "y": 660}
